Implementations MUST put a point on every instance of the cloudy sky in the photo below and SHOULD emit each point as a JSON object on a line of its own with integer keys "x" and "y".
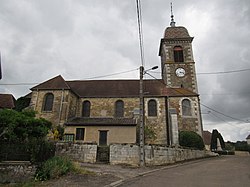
{"x": 86, "y": 39}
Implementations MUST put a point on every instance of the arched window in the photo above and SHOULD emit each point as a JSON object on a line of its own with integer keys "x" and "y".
{"x": 86, "y": 109}
{"x": 152, "y": 108}
{"x": 119, "y": 108}
{"x": 48, "y": 102}
{"x": 178, "y": 54}
{"x": 186, "y": 107}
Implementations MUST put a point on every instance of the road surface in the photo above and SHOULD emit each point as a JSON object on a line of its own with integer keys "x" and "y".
{"x": 229, "y": 171}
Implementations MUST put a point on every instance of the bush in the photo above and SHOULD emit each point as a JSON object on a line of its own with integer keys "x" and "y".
{"x": 191, "y": 139}
{"x": 40, "y": 150}
{"x": 54, "y": 168}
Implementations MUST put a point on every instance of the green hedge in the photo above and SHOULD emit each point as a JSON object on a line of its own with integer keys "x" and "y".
{"x": 191, "y": 139}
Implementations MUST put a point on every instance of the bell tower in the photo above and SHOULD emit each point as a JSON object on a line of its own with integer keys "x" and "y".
{"x": 177, "y": 62}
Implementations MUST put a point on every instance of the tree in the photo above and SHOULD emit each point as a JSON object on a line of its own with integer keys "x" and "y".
{"x": 191, "y": 139}
{"x": 216, "y": 135}
{"x": 22, "y": 103}
{"x": 23, "y": 134}
{"x": 22, "y": 126}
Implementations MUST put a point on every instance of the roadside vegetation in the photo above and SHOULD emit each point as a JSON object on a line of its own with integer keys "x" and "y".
{"x": 23, "y": 137}
{"x": 58, "y": 166}
{"x": 191, "y": 139}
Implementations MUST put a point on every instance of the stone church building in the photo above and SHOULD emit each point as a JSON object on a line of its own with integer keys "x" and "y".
{"x": 107, "y": 111}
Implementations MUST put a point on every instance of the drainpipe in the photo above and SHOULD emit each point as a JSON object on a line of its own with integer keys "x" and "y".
{"x": 61, "y": 104}
{"x": 167, "y": 121}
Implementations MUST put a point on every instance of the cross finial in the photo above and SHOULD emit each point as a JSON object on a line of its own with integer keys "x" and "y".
{"x": 172, "y": 23}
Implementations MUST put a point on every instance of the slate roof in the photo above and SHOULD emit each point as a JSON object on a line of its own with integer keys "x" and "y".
{"x": 248, "y": 137}
{"x": 7, "y": 101}
{"x": 79, "y": 121}
{"x": 112, "y": 88}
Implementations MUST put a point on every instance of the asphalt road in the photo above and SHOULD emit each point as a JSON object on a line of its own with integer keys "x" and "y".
{"x": 229, "y": 171}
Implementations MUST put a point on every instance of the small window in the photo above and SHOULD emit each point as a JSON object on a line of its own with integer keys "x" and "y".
{"x": 80, "y": 133}
{"x": 178, "y": 54}
{"x": 86, "y": 109}
{"x": 186, "y": 107}
{"x": 152, "y": 108}
{"x": 119, "y": 108}
{"x": 68, "y": 137}
{"x": 48, "y": 102}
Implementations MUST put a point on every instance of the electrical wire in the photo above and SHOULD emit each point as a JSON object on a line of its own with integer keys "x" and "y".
{"x": 201, "y": 103}
{"x": 139, "y": 20}
{"x": 90, "y": 78}
{"x": 223, "y": 120}
{"x": 216, "y": 73}
{"x": 223, "y": 72}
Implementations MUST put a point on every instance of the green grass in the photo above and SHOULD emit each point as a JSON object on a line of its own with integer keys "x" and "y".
{"x": 54, "y": 168}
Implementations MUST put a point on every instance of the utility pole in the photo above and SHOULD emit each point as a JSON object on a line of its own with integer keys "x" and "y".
{"x": 142, "y": 151}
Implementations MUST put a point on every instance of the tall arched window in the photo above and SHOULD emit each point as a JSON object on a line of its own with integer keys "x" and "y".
{"x": 119, "y": 108}
{"x": 86, "y": 109}
{"x": 186, "y": 107}
{"x": 152, "y": 108}
{"x": 48, "y": 102}
{"x": 178, "y": 54}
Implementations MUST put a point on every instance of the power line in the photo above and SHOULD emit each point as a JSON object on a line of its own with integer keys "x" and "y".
{"x": 101, "y": 76}
{"x": 223, "y": 72}
{"x": 223, "y": 120}
{"x": 200, "y": 102}
{"x": 217, "y": 73}
{"x": 109, "y": 75}
{"x": 139, "y": 20}
{"x": 223, "y": 94}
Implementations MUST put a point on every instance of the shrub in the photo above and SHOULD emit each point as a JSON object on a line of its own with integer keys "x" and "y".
{"x": 54, "y": 168}
{"x": 40, "y": 150}
{"x": 191, "y": 139}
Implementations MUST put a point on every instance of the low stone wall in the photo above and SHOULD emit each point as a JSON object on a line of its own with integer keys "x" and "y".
{"x": 124, "y": 154}
{"x": 77, "y": 151}
{"x": 154, "y": 155}
{"x": 16, "y": 171}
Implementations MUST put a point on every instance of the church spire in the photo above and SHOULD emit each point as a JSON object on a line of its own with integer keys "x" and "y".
{"x": 172, "y": 23}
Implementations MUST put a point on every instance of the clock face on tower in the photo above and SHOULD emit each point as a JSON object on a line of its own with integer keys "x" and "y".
{"x": 180, "y": 72}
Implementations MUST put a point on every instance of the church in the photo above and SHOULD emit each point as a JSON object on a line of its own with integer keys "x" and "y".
{"x": 108, "y": 111}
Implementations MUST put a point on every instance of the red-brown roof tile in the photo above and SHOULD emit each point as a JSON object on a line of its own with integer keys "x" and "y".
{"x": 113, "y": 88}
{"x": 176, "y": 32}
{"x": 53, "y": 84}
{"x": 7, "y": 101}
{"x": 124, "y": 88}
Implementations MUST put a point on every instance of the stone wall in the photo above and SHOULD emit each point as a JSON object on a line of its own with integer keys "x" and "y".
{"x": 154, "y": 155}
{"x": 124, "y": 154}
{"x": 16, "y": 171}
{"x": 77, "y": 151}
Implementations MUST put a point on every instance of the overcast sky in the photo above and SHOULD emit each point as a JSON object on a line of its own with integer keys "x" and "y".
{"x": 84, "y": 39}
